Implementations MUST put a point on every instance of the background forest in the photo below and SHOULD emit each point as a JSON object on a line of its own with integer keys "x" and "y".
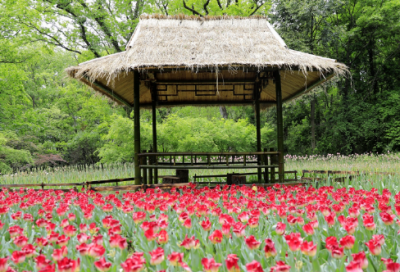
{"x": 49, "y": 119}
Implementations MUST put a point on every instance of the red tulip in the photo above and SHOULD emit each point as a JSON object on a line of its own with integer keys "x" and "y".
{"x": 206, "y": 224}
{"x": 387, "y": 219}
{"x": 354, "y": 267}
{"x": 183, "y": 216}
{"x": 253, "y": 222}
{"x": 71, "y": 217}
{"x": 187, "y": 223}
{"x": 390, "y": 265}
{"x": 70, "y": 230}
{"x": 108, "y": 208}
{"x": 254, "y": 266}
{"x": 28, "y": 250}
{"x": 294, "y": 241}
{"x": 226, "y": 230}
{"x": 330, "y": 219}
{"x": 157, "y": 256}
{"x": 82, "y": 237}
{"x": 64, "y": 223}
{"x": 98, "y": 239}
{"x": 360, "y": 258}
{"x": 83, "y": 228}
{"x": 41, "y": 222}
{"x": 239, "y": 229}
{"x": 269, "y": 248}
{"x": 68, "y": 265}
{"x": 41, "y": 262}
{"x": 308, "y": 228}
{"x": 1, "y": 225}
{"x": 58, "y": 254}
{"x": 190, "y": 243}
{"x": 354, "y": 212}
{"x": 244, "y": 217}
{"x": 138, "y": 217}
{"x": 280, "y": 228}
{"x": 330, "y": 242}
{"x": 175, "y": 258}
{"x": 350, "y": 226}
{"x": 216, "y": 237}
{"x": 95, "y": 250}
{"x": 379, "y": 238}
{"x": 16, "y": 216}
{"x": 347, "y": 241}
{"x": 18, "y": 257}
{"x": 374, "y": 247}
{"x": 118, "y": 241}
{"x": 337, "y": 252}
{"x": 162, "y": 237}
{"x": 133, "y": 264}
{"x": 232, "y": 263}
{"x": 15, "y": 231}
{"x": 28, "y": 217}
{"x": 280, "y": 267}
{"x": 48, "y": 268}
{"x": 41, "y": 242}
{"x": 368, "y": 221}
{"x": 150, "y": 234}
{"x": 62, "y": 240}
{"x": 102, "y": 265}
{"x": 20, "y": 241}
{"x": 251, "y": 242}
{"x": 185, "y": 267}
{"x": 308, "y": 248}
{"x": 4, "y": 210}
{"x": 210, "y": 265}
{"x": 3, "y": 264}
{"x": 82, "y": 249}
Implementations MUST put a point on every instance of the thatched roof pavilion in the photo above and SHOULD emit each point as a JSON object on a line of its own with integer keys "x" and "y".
{"x": 188, "y": 60}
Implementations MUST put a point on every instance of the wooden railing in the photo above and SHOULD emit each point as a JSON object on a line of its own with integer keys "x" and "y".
{"x": 267, "y": 160}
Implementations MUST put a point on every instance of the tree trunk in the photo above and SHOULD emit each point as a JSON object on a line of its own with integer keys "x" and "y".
{"x": 224, "y": 113}
{"x": 312, "y": 119}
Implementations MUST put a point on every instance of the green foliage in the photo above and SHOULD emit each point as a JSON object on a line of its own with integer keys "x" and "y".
{"x": 9, "y": 157}
{"x": 179, "y": 134}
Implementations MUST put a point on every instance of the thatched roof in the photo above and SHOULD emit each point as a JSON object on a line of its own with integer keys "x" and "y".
{"x": 187, "y": 48}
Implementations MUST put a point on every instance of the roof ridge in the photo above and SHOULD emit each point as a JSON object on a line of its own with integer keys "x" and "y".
{"x": 200, "y": 18}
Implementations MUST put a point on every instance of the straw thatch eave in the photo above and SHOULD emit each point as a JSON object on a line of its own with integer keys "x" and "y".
{"x": 184, "y": 48}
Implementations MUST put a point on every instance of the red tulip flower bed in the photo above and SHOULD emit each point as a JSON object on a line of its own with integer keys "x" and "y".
{"x": 222, "y": 229}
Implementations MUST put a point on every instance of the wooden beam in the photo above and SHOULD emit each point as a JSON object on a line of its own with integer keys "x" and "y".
{"x": 108, "y": 91}
{"x": 199, "y": 82}
{"x": 206, "y": 103}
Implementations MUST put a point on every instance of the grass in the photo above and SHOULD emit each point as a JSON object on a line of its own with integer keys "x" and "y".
{"x": 367, "y": 162}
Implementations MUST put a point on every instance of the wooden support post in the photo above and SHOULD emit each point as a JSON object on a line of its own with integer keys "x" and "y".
{"x": 150, "y": 158}
{"x": 279, "y": 118}
{"x": 136, "y": 117}
{"x": 258, "y": 125}
{"x": 154, "y": 159}
{"x": 273, "y": 162}
{"x": 266, "y": 174}
{"x": 143, "y": 161}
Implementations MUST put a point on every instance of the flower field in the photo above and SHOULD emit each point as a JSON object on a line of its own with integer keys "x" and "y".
{"x": 221, "y": 229}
